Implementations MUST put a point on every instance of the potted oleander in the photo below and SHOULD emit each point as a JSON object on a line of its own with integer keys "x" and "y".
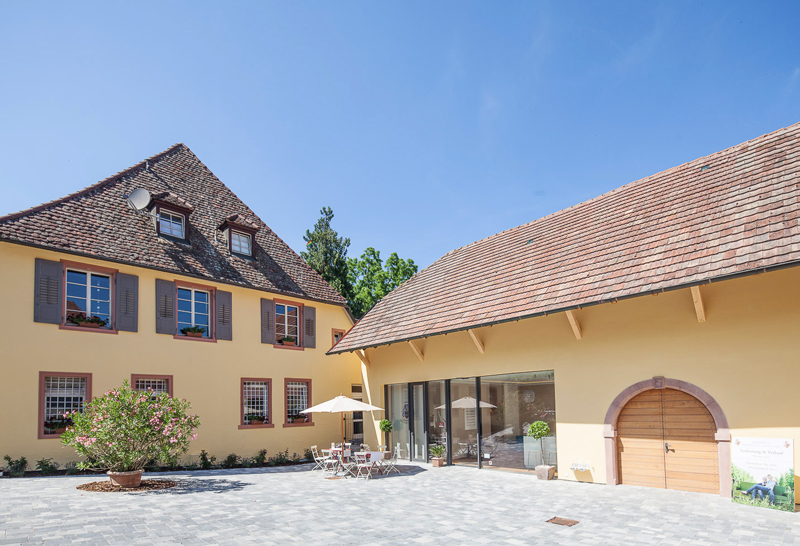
{"x": 125, "y": 430}
{"x": 289, "y": 341}
{"x": 437, "y": 452}
{"x": 254, "y": 418}
{"x": 87, "y": 322}
{"x": 194, "y": 331}
{"x": 538, "y": 430}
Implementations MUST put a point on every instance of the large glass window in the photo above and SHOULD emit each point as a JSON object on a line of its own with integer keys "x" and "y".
{"x": 397, "y": 404}
{"x": 514, "y": 402}
{"x": 464, "y": 421}
{"x": 286, "y": 320}
{"x": 193, "y": 310}
{"x": 487, "y": 426}
{"x": 88, "y": 296}
{"x": 170, "y": 223}
{"x": 437, "y": 414}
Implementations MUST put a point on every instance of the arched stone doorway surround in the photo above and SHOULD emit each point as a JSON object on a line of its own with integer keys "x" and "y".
{"x": 722, "y": 436}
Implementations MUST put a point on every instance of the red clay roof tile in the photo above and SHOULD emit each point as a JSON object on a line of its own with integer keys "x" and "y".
{"x": 682, "y": 226}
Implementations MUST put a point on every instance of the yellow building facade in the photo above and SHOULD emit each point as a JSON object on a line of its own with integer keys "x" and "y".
{"x": 148, "y": 275}
{"x": 745, "y": 355}
{"x": 207, "y": 374}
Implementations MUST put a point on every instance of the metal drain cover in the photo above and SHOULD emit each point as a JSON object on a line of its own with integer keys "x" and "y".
{"x": 563, "y": 521}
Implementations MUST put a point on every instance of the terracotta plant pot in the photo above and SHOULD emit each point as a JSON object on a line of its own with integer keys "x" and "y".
{"x": 126, "y": 479}
{"x": 288, "y": 343}
{"x": 256, "y": 421}
{"x": 61, "y": 430}
{"x": 194, "y": 334}
{"x": 437, "y": 461}
{"x": 545, "y": 472}
{"x": 89, "y": 325}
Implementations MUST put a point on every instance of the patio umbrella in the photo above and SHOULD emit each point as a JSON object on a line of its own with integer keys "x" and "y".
{"x": 341, "y": 404}
{"x": 467, "y": 402}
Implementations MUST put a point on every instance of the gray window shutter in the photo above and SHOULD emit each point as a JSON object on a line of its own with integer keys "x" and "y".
{"x": 309, "y": 327}
{"x": 126, "y": 297}
{"x": 165, "y": 307}
{"x": 224, "y": 327}
{"x": 48, "y": 291}
{"x": 267, "y": 321}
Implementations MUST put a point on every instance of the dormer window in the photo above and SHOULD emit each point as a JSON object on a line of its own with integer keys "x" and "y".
{"x": 241, "y": 243}
{"x": 172, "y": 224}
{"x": 171, "y": 214}
{"x": 238, "y": 234}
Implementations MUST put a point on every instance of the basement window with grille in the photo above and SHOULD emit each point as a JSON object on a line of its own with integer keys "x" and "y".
{"x": 298, "y": 398}
{"x": 61, "y": 394}
{"x": 155, "y": 384}
{"x": 256, "y": 400}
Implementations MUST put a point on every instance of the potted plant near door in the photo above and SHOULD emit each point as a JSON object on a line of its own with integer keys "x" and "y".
{"x": 437, "y": 454}
{"x": 538, "y": 430}
{"x": 124, "y": 430}
{"x": 386, "y": 427}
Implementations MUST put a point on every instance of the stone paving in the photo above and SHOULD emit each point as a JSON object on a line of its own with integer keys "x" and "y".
{"x": 424, "y": 505}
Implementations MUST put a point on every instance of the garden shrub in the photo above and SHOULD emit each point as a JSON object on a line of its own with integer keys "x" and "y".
{"x": 261, "y": 458}
{"x": 125, "y": 430}
{"x": 71, "y": 468}
{"x": 231, "y": 461}
{"x": 46, "y": 466}
{"x": 206, "y": 462}
{"x": 308, "y": 455}
{"x": 16, "y": 467}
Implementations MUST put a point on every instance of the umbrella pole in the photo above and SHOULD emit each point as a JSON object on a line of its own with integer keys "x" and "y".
{"x": 342, "y": 414}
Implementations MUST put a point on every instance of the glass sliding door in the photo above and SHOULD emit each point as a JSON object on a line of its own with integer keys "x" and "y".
{"x": 399, "y": 412}
{"x": 517, "y": 400}
{"x": 418, "y": 430}
{"x": 463, "y": 421}
{"x": 437, "y": 413}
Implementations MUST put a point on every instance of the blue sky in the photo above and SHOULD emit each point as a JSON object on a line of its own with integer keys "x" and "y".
{"x": 425, "y": 125}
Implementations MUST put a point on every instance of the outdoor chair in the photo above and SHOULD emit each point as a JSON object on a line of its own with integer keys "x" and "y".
{"x": 319, "y": 460}
{"x": 391, "y": 464}
{"x": 363, "y": 465}
{"x": 346, "y": 466}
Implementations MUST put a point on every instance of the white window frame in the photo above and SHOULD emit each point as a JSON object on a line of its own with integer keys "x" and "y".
{"x": 88, "y": 296}
{"x": 285, "y": 322}
{"x": 236, "y": 246}
{"x": 173, "y": 219}
{"x": 193, "y": 311}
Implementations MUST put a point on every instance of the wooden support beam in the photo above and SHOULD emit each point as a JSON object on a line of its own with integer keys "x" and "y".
{"x": 362, "y": 354}
{"x": 476, "y": 341}
{"x": 699, "y": 308}
{"x": 416, "y": 351}
{"x": 576, "y": 327}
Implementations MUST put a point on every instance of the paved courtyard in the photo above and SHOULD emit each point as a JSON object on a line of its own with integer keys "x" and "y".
{"x": 439, "y": 506}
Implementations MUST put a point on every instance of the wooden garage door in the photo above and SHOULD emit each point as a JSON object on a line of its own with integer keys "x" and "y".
{"x": 665, "y": 438}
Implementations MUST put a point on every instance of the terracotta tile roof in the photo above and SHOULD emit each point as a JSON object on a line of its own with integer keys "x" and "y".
{"x": 98, "y": 222}
{"x": 732, "y": 212}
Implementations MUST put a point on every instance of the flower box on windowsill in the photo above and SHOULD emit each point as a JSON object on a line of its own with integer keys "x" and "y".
{"x": 88, "y": 325}
{"x": 256, "y": 421}
{"x": 195, "y": 334}
{"x": 287, "y": 343}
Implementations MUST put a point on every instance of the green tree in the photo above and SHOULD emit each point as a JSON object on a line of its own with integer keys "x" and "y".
{"x": 371, "y": 279}
{"x": 326, "y": 253}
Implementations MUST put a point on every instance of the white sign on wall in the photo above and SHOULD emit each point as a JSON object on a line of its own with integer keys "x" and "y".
{"x": 759, "y": 463}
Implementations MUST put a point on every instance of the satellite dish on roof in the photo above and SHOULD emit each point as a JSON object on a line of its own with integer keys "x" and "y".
{"x": 139, "y": 199}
